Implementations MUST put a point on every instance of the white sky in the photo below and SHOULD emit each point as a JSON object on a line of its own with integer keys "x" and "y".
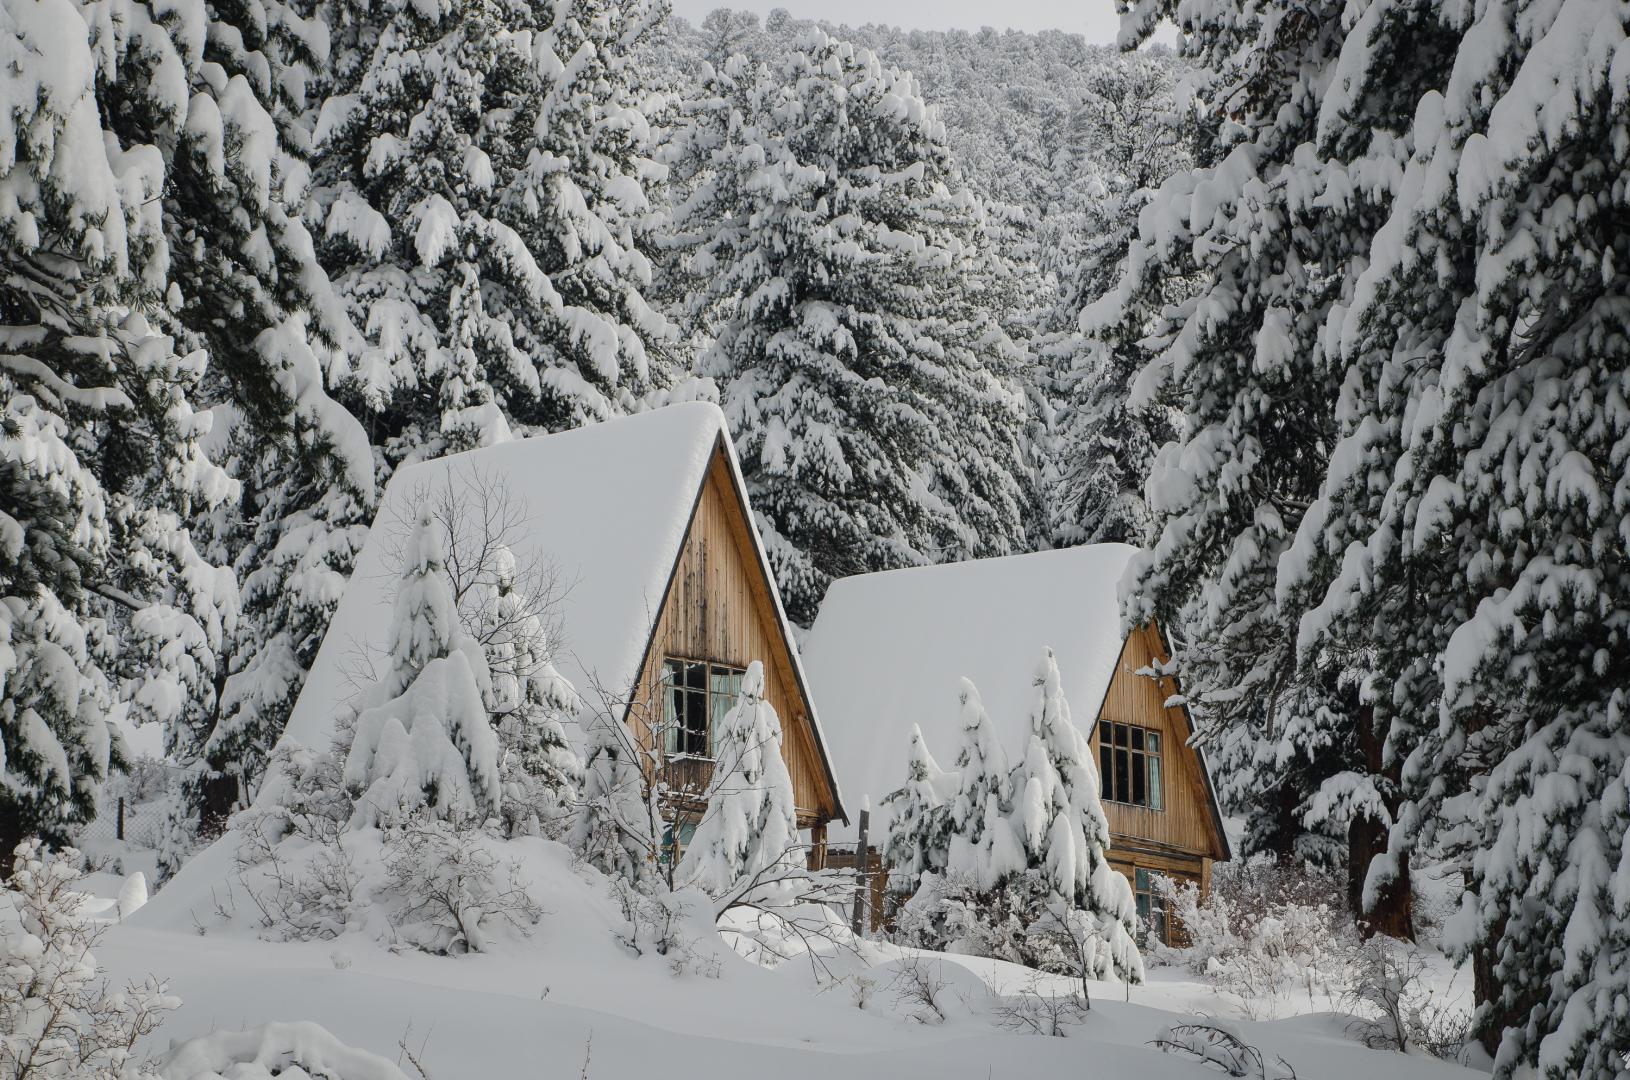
{"x": 1094, "y": 19}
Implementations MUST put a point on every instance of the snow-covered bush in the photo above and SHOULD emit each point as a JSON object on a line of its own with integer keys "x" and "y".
{"x": 288, "y": 1051}
{"x": 1265, "y": 935}
{"x": 447, "y": 890}
{"x": 58, "y": 1020}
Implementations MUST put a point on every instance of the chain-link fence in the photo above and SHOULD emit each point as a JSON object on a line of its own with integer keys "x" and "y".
{"x": 133, "y": 806}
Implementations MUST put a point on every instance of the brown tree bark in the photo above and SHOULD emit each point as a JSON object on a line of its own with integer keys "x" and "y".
{"x": 1393, "y": 913}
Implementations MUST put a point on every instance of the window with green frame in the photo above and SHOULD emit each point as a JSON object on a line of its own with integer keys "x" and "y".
{"x": 696, "y": 694}
{"x": 1129, "y": 764}
{"x": 674, "y": 843}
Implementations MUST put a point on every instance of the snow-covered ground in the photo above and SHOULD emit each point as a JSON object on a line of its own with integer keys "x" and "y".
{"x": 569, "y": 1001}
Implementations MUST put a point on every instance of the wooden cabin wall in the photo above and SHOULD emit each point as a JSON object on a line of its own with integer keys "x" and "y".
{"x": 1185, "y": 824}
{"x": 719, "y": 608}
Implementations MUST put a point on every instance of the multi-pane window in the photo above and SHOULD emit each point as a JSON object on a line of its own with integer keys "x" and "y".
{"x": 1151, "y": 905}
{"x": 695, "y": 697}
{"x": 1129, "y": 764}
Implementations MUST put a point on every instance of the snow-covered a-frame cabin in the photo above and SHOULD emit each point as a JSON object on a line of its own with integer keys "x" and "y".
{"x": 664, "y": 592}
{"x": 888, "y": 650}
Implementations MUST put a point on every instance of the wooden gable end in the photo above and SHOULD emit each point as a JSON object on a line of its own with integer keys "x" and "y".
{"x": 1188, "y": 823}
{"x": 719, "y": 608}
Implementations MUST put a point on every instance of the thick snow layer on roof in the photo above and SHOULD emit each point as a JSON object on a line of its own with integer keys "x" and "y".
{"x": 887, "y": 650}
{"x": 606, "y": 505}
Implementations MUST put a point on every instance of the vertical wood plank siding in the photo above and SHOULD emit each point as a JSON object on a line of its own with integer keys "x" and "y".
{"x": 719, "y": 608}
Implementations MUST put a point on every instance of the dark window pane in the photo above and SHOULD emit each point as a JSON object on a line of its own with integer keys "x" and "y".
{"x": 1137, "y": 738}
{"x": 1105, "y": 771}
{"x": 1140, "y": 880}
{"x": 1123, "y": 769}
{"x": 696, "y": 676}
{"x": 1143, "y": 907}
{"x": 1140, "y": 794}
{"x": 1121, "y": 735}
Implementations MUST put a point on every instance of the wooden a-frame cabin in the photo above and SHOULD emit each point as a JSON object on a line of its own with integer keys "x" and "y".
{"x": 665, "y": 591}
{"x": 888, "y": 649}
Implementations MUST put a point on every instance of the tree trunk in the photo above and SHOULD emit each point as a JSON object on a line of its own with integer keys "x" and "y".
{"x": 1393, "y": 913}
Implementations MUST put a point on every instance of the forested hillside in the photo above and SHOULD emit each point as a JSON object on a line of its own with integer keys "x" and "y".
{"x": 1326, "y": 313}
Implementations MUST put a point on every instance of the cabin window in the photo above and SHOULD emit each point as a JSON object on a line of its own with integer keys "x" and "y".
{"x": 1151, "y": 905}
{"x": 675, "y": 841}
{"x": 696, "y": 695}
{"x": 1129, "y": 764}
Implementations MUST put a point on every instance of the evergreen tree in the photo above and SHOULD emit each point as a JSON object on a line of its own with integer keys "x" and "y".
{"x": 104, "y": 597}
{"x": 610, "y": 829}
{"x": 1066, "y": 834}
{"x": 1124, "y": 138}
{"x": 747, "y": 838}
{"x": 422, "y": 736}
{"x": 480, "y": 178}
{"x": 984, "y": 845}
{"x": 834, "y": 252}
{"x": 1443, "y": 183}
{"x": 918, "y": 839}
{"x": 1261, "y": 262}
{"x": 532, "y": 701}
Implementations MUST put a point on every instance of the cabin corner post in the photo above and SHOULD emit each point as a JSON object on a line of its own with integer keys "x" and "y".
{"x": 817, "y": 846}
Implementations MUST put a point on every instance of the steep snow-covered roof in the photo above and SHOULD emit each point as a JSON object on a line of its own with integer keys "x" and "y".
{"x": 887, "y": 650}
{"x": 606, "y": 506}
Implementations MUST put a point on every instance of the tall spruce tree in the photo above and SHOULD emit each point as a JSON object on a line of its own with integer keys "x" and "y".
{"x": 152, "y": 260}
{"x": 481, "y": 174}
{"x": 835, "y": 257}
{"x": 918, "y": 835}
{"x": 1258, "y": 245}
{"x": 1461, "y": 556}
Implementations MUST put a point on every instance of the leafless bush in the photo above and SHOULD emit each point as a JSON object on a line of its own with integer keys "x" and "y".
{"x": 1222, "y": 1050}
{"x": 482, "y": 521}
{"x": 1395, "y": 1006}
{"x": 308, "y": 893}
{"x": 1042, "y": 1009}
{"x": 918, "y": 988}
{"x": 450, "y": 890}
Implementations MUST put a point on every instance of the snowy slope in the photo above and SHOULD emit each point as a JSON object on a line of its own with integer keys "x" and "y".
{"x": 532, "y": 1008}
{"x": 887, "y": 650}
{"x": 607, "y": 505}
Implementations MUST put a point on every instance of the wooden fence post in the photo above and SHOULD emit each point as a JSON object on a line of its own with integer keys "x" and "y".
{"x": 119, "y": 827}
{"x": 857, "y": 921}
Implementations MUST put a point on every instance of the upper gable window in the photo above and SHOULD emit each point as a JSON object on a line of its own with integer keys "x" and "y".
{"x": 696, "y": 695}
{"x": 1129, "y": 764}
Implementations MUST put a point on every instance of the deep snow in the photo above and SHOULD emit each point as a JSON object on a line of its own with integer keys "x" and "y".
{"x": 539, "y": 1006}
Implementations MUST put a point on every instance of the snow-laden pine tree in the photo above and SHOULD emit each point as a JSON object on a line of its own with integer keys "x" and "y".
{"x": 918, "y": 836}
{"x": 1066, "y": 834}
{"x": 612, "y": 825}
{"x": 984, "y": 846}
{"x": 105, "y": 601}
{"x": 1125, "y": 137}
{"x": 243, "y": 286}
{"x": 531, "y": 704}
{"x": 422, "y": 737}
{"x": 1239, "y": 269}
{"x": 481, "y": 176}
{"x": 1449, "y": 179}
{"x": 746, "y": 843}
{"x": 834, "y": 254}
